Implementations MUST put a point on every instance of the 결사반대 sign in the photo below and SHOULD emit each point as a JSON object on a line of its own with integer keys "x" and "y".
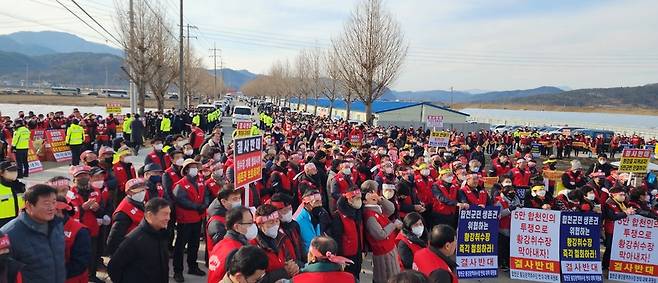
{"x": 580, "y": 247}
{"x": 248, "y": 160}
{"x": 634, "y": 255}
{"x": 477, "y": 242}
{"x": 534, "y": 250}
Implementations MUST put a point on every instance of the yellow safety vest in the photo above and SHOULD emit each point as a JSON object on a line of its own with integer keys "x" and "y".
{"x": 165, "y": 149}
{"x": 196, "y": 120}
{"x": 126, "y": 125}
{"x": 21, "y": 138}
{"x": 75, "y": 135}
{"x": 165, "y": 125}
{"x": 8, "y": 207}
{"x": 254, "y": 130}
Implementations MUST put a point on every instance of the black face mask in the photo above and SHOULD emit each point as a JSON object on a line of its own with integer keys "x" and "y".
{"x": 283, "y": 164}
{"x": 93, "y": 163}
{"x": 108, "y": 160}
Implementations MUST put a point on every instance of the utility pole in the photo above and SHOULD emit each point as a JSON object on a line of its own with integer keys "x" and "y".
{"x": 27, "y": 76}
{"x": 214, "y": 56}
{"x": 181, "y": 83}
{"x": 451, "y": 96}
{"x": 187, "y": 55}
{"x": 131, "y": 89}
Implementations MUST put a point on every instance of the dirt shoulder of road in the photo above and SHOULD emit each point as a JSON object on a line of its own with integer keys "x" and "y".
{"x": 587, "y": 109}
{"x": 84, "y": 100}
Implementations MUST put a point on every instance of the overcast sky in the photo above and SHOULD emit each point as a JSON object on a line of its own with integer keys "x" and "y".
{"x": 487, "y": 44}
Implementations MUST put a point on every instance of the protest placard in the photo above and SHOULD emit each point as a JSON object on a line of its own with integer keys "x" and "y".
{"x": 580, "y": 247}
{"x": 243, "y": 129}
{"x": 33, "y": 160}
{"x": 434, "y": 121}
{"x": 439, "y": 139}
{"x": 248, "y": 160}
{"x": 634, "y": 255}
{"x": 477, "y": 242}
{"x": 534, "y": 252}
{"x": 56, "y": 143}
{"x": 113, "y": 108}
{"x": 634, "y": 160}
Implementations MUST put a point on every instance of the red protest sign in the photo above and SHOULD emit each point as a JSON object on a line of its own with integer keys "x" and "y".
{"x": 247, "y": 160}
{"x": 56, "y": 140}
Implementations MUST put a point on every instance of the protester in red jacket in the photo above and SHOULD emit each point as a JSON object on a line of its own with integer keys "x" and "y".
{"x": 442, "y": 245}
{"x": 241, "y": 229}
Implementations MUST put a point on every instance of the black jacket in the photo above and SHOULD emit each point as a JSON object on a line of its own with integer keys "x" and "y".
{"x": 142, "y": 257}
{"x": 119, "y": 229}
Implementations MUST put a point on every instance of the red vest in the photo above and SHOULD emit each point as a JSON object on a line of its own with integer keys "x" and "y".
{"x": 174, "y": 179}
{"x": 283, "y": 178}
{"x": 213, "y": 187}
{"x": 277, "y": 259}
{"x": 426, "y": 261}
{"x": 217, "y": 258}
{"x": 71, "y": 229}
{"x": 155, "y": 159}
{"x": 352, "y": 237}
{"x": 500, "y": 170}
{"x": 412, "y": 246}
{"x": 520, "y": 178}
{"x": 199, "y": 136}
{"x": 341, "y": 181}
{"x": 450, "y": 193}
{"x": 134, "y": 213}
{"x": 221, "y": 219}
{"x": 160, "y": 191}
{"x": 87, "y": 217}
{"x": 609, "y": 224}
{"x": 123, "y": 176}
{"x": 424, "y": 189}
{"x": 504, "y": 222}
{"x": 323, "y": 277}
{"x": 379, "y": 247}
{"x": 480, "y": 199}
{"x": 196, "y": 195}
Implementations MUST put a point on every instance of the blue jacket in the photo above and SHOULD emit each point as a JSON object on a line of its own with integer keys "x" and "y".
{"x": 42, "y": 254}
{"x": 306, "y": 229}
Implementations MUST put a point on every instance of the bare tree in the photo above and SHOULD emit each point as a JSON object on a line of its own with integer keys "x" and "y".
{"x": 139, "y": 42}
{"x": 165, "y": 68}
{"x": 302, "y": 78}
{"x": 332, "y": 84}
{"x": 370, "y": 52}
{"x": 315, "y": 84}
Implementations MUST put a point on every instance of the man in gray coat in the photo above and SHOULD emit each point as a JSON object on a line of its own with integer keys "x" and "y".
{"x": 37, "y": 237}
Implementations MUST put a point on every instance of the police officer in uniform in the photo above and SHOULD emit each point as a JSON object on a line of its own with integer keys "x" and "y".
{"x": 20, "y": 144}
{"x": 75, "y": 136}
{"x": 11, "y": 192}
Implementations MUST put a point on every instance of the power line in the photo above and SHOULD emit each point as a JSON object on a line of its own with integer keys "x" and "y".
{"x": 76, "y": 15}
{"x": 159, "y": 18}
{"x": 95, "y": 21}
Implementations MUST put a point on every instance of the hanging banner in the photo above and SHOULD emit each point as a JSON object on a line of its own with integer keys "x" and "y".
{"x": 535, "y": 150}
{"x": 248, "y": 160}
{"x": 634, "y": 160}
{"x": 634, "y": 255}
{"x": 434, "y": 121}
{"x": 477, "y": 242}
{"x": 355, "y": 141}
{"x": 580, "y": 247}
{"x": 534, "y": 252}
{"x": 56, "y": 140}
{"x": 439, "y": 139}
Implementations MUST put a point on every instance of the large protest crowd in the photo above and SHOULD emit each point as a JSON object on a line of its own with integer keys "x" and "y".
{"x": 330, "y": 193}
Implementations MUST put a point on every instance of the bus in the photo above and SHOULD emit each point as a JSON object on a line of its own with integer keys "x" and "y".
{"x": 65, "y": 90}
{"x": 114, "y": 93}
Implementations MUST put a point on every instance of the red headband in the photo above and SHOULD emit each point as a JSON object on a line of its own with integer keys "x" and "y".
{"x": 265, "y": 218}
{"x": 352, "y": 194}
{"x": 60, "y": 183}
{"x": 277, "y": 204}
{"x": 331, "y": 257}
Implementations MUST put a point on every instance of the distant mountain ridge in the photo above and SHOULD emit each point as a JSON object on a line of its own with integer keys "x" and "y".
{"x": 645, "y": 96}
{"x": 234, "y": 79}
{"x": 448, "y": 97}
{"x": 51, "y": 42}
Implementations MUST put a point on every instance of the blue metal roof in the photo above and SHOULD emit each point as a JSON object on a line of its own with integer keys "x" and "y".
{"x": 377, "y": 106}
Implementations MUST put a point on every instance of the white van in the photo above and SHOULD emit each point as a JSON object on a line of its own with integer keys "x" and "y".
{"x": 241, "y": 113}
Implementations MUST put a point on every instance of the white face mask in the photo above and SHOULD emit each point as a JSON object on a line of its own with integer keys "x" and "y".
{"x": 179, "y": 162}
{"x": 252, "y": 231}
{"x": 591, "y": 196}
{"x": 272, "y": 232}
{"x": 388, "y": 170}
{"x": 192, "y": 172}
{"x": 357, "y": 204}
{"x": 98, "y": 184}
{"x": 602, "y": 162}
{"x": 425, "y": 172}
{"x": 347, "y": 171}
{"x": 287, "y": 217}
{"x": 236, "y": 204}
{"x": 647, "y": 198}
{"x": 418, "y": 230}
{"x": 217, "y": 156}
{"x": 448, "y": 179}
{"x": 476, "y": 169}
{"x": 139, "y": 197}
{"x": 541, "y": 193}
{"x": 158, "y": 147}
{"x": 388, "y": 194}
{"x": 189, "y": 152}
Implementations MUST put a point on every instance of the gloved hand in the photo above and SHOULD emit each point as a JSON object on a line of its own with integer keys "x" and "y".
{"x": 106, "y": 220}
